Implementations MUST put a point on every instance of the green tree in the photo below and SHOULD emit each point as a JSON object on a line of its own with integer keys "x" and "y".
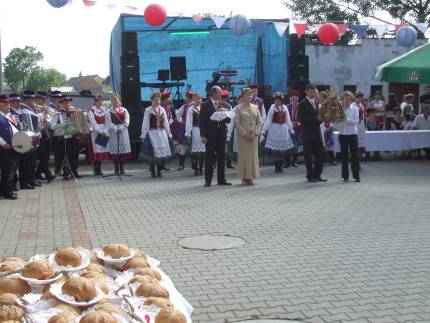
{"x": 408, "y": 11}
{"x": 19, "y": 64}
{"x": 42, "y": 79}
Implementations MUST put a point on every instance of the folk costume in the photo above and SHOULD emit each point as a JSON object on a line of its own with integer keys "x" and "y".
{"x": 157, "y": 146}
{"x": 293, "y": 109}
{"x": 98, "y": 144}
{"x": 278, "y": 128}
{"x": 118, "y": 120}
{"x": 181, "y": 139}
{"x": 197, "y": 148}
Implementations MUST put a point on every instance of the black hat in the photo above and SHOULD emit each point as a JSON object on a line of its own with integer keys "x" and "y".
{"x": 29, "y": 94}
{"x": 66, "y": 98}
{"x": 4, "y": 98}
{"x": 56, "y": 94}
{"x": 85, "y": 93}
{"x": 14, "y": 97}
{"x": 41, "y": 95}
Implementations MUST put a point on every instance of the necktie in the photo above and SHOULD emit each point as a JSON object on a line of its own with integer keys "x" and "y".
{"x": 11, "y": 118}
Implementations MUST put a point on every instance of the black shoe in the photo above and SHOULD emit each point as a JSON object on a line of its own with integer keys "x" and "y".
{"x": 333, "y": 163}
{"x": 346, "y": 179}
{"x": 224, "y": 183}
{"x": 51, "y": 178}
{"x": 357, "y": 180}
{"x": 16, "y": 189}
{"x": 230, "y": 166}
{"x": 36, "y": 184}
{"x": 165, "y": 168}
{"x": 321, "y": 180}
{"x": 311, "y": 180}
{"x": 159, "y": 172}
{"x": 26, "y": 187}
{"x": 10, "y": 196}
{"x": 207, "y": 184}
{"x": 40, "y": 177}
{"x": 66, "y": 177}
{"x": 295, "y": 165}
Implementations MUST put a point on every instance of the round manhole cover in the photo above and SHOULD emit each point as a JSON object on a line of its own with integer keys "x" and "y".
{"x": 208, "y": 242}
{"x": 270, "y": 321}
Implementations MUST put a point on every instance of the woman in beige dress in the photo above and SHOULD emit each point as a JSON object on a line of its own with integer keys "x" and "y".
{"x": 248, "y": 126}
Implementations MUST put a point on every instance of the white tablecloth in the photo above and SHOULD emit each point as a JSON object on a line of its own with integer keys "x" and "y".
{"x": 394, "y": 140}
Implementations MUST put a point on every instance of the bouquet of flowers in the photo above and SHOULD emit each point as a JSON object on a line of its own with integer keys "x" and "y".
{"x": 332, "y": 109}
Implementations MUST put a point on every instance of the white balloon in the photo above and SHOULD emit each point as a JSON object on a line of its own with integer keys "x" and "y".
{"x": 239, "y": 25}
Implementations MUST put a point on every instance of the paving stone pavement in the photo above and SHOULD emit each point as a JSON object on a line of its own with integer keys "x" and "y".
{"x": 324, "y": 252}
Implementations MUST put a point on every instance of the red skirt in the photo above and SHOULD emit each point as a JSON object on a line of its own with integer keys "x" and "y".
{"x": 93, "y": 156}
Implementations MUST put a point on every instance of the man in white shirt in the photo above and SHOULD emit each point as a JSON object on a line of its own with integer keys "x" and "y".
{"x": 422, "y": 122}
{"x": 348, "y": 140}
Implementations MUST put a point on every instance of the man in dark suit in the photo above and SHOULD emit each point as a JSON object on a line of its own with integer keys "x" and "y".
{"x": 310, "y": 120}
{"x": 214, "y": 136}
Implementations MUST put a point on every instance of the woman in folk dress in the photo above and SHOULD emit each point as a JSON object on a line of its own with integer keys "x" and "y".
{"x": 192, "y": 132}
{"x": 98, "y": 121}
{"x": 118, "y": 121}
{"x": 278, "y": 128}
{"x": 156, "y": 136}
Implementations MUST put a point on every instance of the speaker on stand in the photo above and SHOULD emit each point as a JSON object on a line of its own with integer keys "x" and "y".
{"x": 130, "y": 81}
{"x": 178, "y": 72}
{"x": 298, "y": 65}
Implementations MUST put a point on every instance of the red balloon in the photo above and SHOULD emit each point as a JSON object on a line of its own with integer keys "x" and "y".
{"x": 155, "y": 15}
{"x": 328, "y": 33}
{"x": 89, "y": 3}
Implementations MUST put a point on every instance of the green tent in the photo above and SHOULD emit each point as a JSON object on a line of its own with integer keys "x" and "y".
{"x": 411, "y": 67}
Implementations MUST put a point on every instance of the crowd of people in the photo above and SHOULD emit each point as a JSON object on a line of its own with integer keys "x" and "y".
{"x": 242, "y": 131}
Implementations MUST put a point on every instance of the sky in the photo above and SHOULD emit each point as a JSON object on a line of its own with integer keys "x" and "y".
{"x": 75, "y": 38}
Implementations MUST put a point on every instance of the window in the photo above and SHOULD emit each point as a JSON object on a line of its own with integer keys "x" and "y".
{"x": 351, "y": 88}
{"x": 322, "y": 88}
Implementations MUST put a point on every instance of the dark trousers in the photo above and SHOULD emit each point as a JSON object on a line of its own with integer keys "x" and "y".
{"x": 314, "y": 158}
{"x": 44, "y": 151}
{"x": 349, "y": 144}
{"x": 9, "y": 160}
{"x": 215, "y": 150}
{"x": 70, "y": 149}
{"x": 27, "y": 168}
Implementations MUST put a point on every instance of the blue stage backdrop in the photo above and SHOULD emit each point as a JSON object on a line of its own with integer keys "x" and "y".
{"x": 257, "y": 59}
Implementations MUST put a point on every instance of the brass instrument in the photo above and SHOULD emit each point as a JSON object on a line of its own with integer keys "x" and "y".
{"x": 45, "y": 110}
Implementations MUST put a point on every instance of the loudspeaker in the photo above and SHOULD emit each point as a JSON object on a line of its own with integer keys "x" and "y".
{"x": 298, "y": 67}
{"x": 299, "y": 85}
{"x": 130, "y": 81}
{"x": 163, "y": 75}
{"x": 297, "y": 46}
{"x": 178, "y": 68}
{"x": 130, "y": 70}
{"x": 129, "y": 43}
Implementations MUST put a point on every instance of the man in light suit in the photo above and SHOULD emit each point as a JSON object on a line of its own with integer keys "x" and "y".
{"x": 313, "y": 148}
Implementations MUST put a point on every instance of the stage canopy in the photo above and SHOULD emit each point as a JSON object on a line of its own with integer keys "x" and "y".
{"x": 411, "y": 67}
{"x": 206, "y": 48}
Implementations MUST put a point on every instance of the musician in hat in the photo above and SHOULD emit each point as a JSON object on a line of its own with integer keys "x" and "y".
{"x": 15, "y": 103}
{"x": 118, "y": 120}
{"x": 181, "y": 140}
{"x": 67, "y": 145}
{"x": 279, "y": 129}
{"x": 97, "y": 146}
{"x": 9, "y": 158}
{"x": 30, "y": 119}
{"x": 54, "y": 109}
{"x": 258, "y": 101}
{"x": 44, "y": 150}
{"x": 293, "y": 109}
